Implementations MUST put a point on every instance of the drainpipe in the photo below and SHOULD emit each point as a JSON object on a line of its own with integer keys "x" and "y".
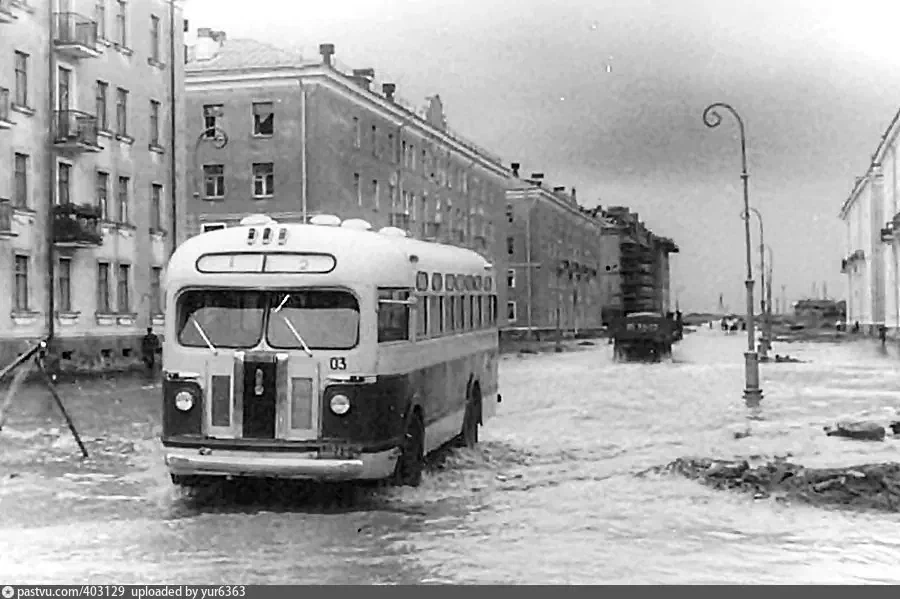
{"x": 51, "y": 184}
{"x": 173, "y": 131}
{"x": 303, "y": 164}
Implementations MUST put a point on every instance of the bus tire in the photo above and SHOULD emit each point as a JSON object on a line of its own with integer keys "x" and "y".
{"x": 411, "y": 463}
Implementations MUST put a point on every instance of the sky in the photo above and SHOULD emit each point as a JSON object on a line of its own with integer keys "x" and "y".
{"x": 607, "y": 96}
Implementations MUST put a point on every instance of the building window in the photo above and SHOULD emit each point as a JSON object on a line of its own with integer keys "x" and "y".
{"x": 20, "y": 180}
{"x": 100, "y": 105}
{"x": 509, "y": 213}
{"x": 64, "y": 284}
{"x": 263, "y": 118}
{"x": 63, "y": 88}
{"x": 63, "y": 183}
{"x": 207, "y": 227}
{"x": 122, "y": 197}
{"x": 357, "y": 188}
{"x": 103, "y": 194}
{"x": 214, "y": 175}
{"x": 21, "y": 79}
{"x": 156, "y": 306}
{"x": 511, "y": 278}
{"x": 154, "y": 123}
{"x": 103, "y": 288}
{"x": 121, "y": 111}
{"x": 392, "y": 148}
{"x": 211, "y": 114}
{"x": 374, "y": 141}
{"x": 511, "y": 311}
{"x": 357, "y": 133}
{"x": 510, "y": 246}
{"x": 156, "y": 207}
{"x": 123, "y": 300}
{"x": 100, "y": 17}
{"x": 263, "y": 179}
{"x": 375, "y": 193}
{"x": 121, "y": 23}
{"x": 154, "y": 38}
{"x": 21, "y": 283}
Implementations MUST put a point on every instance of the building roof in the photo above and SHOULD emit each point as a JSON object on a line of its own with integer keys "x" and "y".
{"x": 248, "y": 54}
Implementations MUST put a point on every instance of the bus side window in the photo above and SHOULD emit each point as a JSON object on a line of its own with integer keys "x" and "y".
{"x": 472, "y": 324}
{"x": 477, "y": 311}
{"x": 393, "y": 319}
{"x": 463, "y": 312}
{"x": 443, "y": 315}
{"x": 434, "y": 308}
{"x": 493, "y": 309}
{"x": 422, "y": 316}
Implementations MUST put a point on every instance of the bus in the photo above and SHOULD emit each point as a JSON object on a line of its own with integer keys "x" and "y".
{"x": 323, "y": 351}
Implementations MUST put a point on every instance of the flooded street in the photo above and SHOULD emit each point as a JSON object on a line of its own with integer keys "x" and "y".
{"x": 550, "y": 496}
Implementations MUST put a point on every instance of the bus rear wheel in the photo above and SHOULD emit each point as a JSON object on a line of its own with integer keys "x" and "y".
{"x": 468, "y": 437}
{"x": 411, "y": 463}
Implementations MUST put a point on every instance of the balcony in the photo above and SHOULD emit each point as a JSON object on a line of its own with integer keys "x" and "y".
{"x": 6, "y": 13}
{"x": 6, "y": 212}
{"x": 76, "y": 226}
{"x": 5, "y": 118}
{"x": 75, "y": 131}
{"x": 75, "y": 36}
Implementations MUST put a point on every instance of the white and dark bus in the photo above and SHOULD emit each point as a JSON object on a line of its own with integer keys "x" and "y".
{"x": 323, "y": 351}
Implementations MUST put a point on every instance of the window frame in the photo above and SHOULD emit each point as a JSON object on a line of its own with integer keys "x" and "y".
{"x": 64, "y": 284}
{"x": 217, "y": 177}
{"x": 266, "y": 179}
{"x": 258, "y": 122}
{"x": 394, "y": 300}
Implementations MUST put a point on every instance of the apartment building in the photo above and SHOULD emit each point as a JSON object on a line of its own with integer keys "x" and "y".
{"x": 871, "y": 217}
{"x": 270, "y": 131}
{"x": 90, "y": 117}
{"x": 560, "y": 256}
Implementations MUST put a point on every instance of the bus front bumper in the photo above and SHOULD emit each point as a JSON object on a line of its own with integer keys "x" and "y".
{"x": 182, "y": 461}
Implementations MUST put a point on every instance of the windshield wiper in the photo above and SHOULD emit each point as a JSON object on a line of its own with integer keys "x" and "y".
{"x": 291, "y": 326}
{"x": 205, "y": 337}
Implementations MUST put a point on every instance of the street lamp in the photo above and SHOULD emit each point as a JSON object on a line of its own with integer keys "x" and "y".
{"x": 752, "y": 391}
{"x": 764, "y": 342}
{"x": 219, "y": 139}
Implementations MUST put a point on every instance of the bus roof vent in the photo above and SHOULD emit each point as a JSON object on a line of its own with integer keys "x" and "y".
{"x": 325, "y": 220}
{"x": 257, "y": 219}
{"x": 392, "y": 232}
{"x": 357, "y": 224}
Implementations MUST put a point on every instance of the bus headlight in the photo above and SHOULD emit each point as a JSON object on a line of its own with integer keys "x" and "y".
{"x": 340, "y": 404}
{"x": 184, "y": 401}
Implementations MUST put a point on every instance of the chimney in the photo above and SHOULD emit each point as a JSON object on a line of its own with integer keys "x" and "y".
{"x": 327, "y": 51}
{"x": 388, "y": 90}
{"x": 515, "y": 169}
{"x": 573, "y": 194}
{"x": 364, "y": 77}
{"x": 559, "y": 188}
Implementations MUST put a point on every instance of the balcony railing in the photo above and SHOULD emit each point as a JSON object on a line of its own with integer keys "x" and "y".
{"x": 75, "y": 35}
{"x": 5, "y": 121}
{"x": 75, "y": 130}
{"x": 6, "y": 212}
{"x": 76, "y": 225}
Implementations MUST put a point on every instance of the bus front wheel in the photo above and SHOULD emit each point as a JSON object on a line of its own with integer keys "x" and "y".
{"x": 411, "y": 463}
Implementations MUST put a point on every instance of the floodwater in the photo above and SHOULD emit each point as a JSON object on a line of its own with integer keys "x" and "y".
{"x": 550, "y": 496}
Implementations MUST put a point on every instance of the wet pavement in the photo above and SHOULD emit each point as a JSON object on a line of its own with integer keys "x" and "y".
{"x": 550, "y": 496}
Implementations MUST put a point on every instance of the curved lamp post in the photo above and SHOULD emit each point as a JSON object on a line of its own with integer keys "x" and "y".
{"x": 218, "y": 140}
{"x": 752, "y": 392}
{"x": 765, "y": 341}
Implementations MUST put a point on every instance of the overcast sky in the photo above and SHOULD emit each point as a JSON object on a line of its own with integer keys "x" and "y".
{"x": 608, "y": 95}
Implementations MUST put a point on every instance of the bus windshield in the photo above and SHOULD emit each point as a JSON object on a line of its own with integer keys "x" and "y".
{"x": 228, "y": 318}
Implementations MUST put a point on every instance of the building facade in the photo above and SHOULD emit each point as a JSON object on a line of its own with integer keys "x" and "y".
{"x": 871, "y": 217}
{"x": 307, "y": 137}
{"x": 560, "y": 258}
{"x": 89, "y": 115}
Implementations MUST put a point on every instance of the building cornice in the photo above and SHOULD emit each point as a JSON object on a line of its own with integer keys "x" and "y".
{"x": 887, "y": 141}
{"x": 552, "y": 198}
{"x": 203, "y": 80}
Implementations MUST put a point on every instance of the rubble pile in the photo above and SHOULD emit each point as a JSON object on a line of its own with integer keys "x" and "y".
{"x": 870, "y": 486}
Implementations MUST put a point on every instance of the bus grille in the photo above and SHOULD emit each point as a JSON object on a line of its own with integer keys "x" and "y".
{"x": 220, "y": 396}
{"x": 301, "y": 403}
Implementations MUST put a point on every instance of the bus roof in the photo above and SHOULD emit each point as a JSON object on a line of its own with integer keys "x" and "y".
{"x": 361, "y": 257}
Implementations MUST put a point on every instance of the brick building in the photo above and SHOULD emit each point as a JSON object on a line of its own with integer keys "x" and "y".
{"x": 307, "y": 137}
{"x": 560, "y": 256}
{"x": 89, "y": 110}
{"x": 644, "y": 277}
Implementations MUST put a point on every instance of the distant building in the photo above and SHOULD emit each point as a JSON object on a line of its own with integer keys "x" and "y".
{"x": 871, "y": 215}
{"x": 90, "y": 122}
{"x": 559, "y": 259}
{"x": 309, "y": 136}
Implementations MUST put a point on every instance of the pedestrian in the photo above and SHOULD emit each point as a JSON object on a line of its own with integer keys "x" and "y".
{"x": 149, "y": 347}
{"x": 882, "y": 334}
